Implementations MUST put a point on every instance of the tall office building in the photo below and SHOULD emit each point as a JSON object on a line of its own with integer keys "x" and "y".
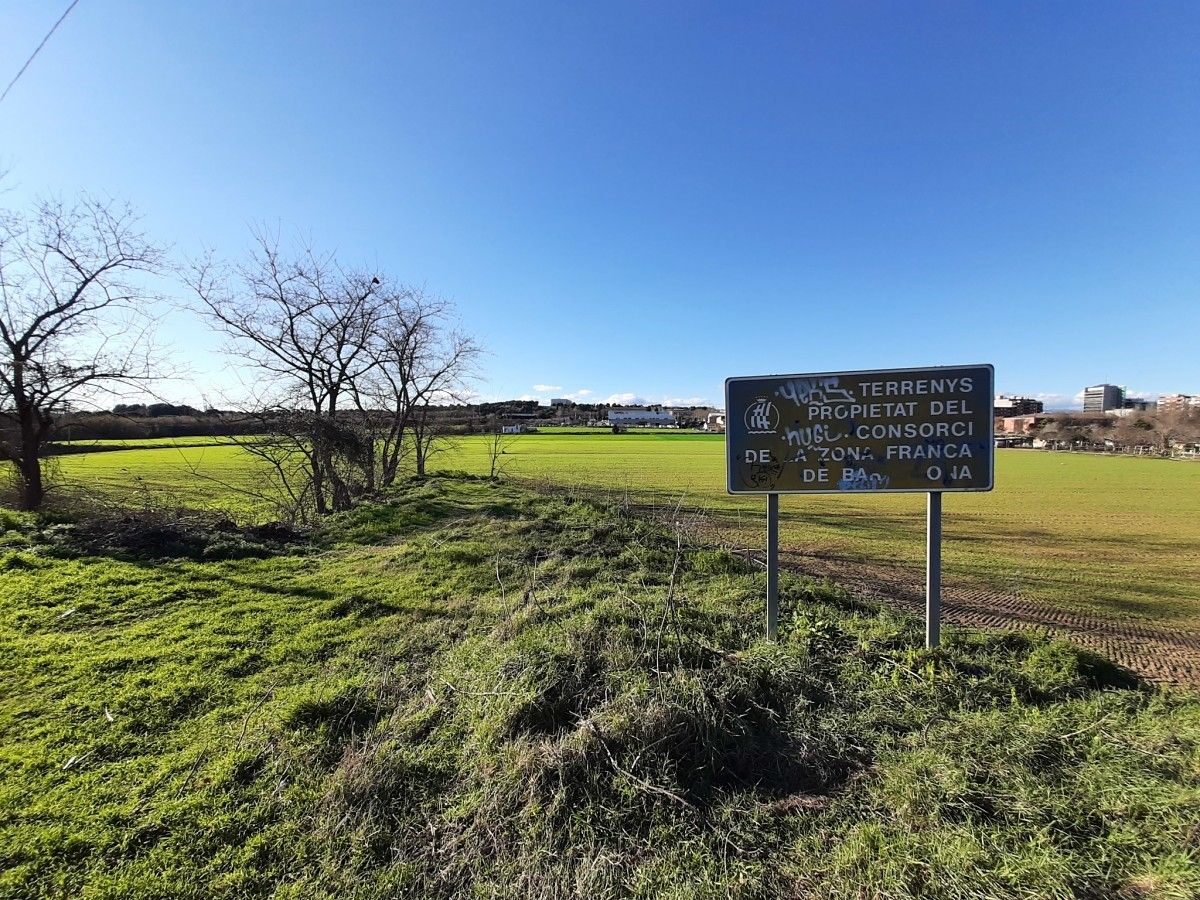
{"x": 1103, "y": 397}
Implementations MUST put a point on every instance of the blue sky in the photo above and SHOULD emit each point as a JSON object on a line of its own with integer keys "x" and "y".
{"x": 643, "y": 198}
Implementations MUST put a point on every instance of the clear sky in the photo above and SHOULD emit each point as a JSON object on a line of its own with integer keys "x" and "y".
{"x": 644, "y": 198}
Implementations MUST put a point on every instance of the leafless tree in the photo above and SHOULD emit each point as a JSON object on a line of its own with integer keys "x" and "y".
{"x": 307, "y": 327}
{"x": 386, "y": 398}
{"x": 75, "y": 319}
{"x": 1161, "y": 432}
{"x": 1170, "y": 426}
{"x": 1131, "y": 433}
{"x": 423, "y": 361}
{"x": 497, "y": 445}
{"x": 347, "y": 369}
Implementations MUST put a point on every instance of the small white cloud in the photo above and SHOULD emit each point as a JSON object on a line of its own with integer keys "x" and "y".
{"x": 547, "y": 388}
{"x": 625, "y": 399}
{"x": 582, "y": 392}
{"x": 628, "y": 398}
{"x": 1061, "y": 401}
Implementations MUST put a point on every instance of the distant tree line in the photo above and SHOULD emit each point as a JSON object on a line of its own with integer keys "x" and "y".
{"x": 159, "y": 410}
{"x": 82, "y": 428}
{"x": 1161, "y": 433}
{"x": 132, "y": 421}
{"x": 140, "y": 421}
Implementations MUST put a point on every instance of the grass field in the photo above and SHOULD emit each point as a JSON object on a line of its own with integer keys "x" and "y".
{"x": 1114, "y": 536}
{"x": 206, "y": 474}
{"x": 1111, "y": 536}
{"x": 478, "y": 690}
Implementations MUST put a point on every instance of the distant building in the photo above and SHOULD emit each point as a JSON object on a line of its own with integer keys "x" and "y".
{"x": 1177, "y": 403}
{"x": 640, "y": 415}
{"x": 561, "y": 401}
{"x": 1016, "y": 406}
{"x": 1018, "y": 431}
{"x": 513, "y": 429}
{"x": 1138, "y": 404}
{"x": 1019, "y": 424}
{"x": 715, "y": 421}
{"x": 690, "y": 416}
{"x": 1103, "y": 397}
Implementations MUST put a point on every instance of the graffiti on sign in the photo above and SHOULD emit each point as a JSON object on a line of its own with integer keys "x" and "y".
{"x": 884, "y": 430}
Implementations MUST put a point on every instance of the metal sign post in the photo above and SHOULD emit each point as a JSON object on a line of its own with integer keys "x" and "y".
{"x": 876, "y": 431}
{"x": 933, "y": 570}
{"x": 772, "y": 566}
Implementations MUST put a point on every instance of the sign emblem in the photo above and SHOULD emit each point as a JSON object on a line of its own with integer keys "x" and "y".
{"x": 762, "y": 417}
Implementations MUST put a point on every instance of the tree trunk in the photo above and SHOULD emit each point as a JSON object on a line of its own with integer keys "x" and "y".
{"x": 318, "y": 487}
{"x": 419, "y": 451}
{"x": 33, "y": 490}
{"x": 390, "y": 454}
{"x": 368, "y": 467}
{"x": 390, "y": 464}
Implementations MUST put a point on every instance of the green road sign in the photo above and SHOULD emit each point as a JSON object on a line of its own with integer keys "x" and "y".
{"x": 881, "y": 431}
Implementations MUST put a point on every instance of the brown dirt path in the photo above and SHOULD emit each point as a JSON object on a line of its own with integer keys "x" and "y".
{"x": 1163, "y": 655}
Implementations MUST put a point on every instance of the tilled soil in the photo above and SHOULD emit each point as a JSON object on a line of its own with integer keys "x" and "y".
{"x": 1169, "y": 656}
{"x": 1163, "y": 655}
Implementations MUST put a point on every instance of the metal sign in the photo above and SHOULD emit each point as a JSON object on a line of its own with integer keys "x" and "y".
{"x": 877, "y": 431}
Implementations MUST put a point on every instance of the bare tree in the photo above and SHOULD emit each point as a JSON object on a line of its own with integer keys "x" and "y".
{"x": 423, "y": 362}
{"x": 73, "y": 319}
{"x": 387, "y": 397}
{"x": 1131, "y": 433}
{"x": 348, "y": 368}
{"x": 497, "y": 445}
{"x": 443, "y": 381}
{"x": 1161, "y": 432}
{"x": 308, "y": 327}
{"x": 1169, "y": 426}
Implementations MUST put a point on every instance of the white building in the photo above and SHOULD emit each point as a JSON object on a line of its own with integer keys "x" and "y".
{"x": 715, "y": 422}
{"x": 640, "y": 415}
{"x": 561, "y": 401}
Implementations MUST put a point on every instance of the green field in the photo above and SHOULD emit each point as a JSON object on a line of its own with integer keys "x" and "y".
{"x": 1112, "y": 536}
{"x": 1115, "y": 536}
{"x": 137, "y": 443}
{"x": 474, "y": 689}
{"x": 184, "y": 472}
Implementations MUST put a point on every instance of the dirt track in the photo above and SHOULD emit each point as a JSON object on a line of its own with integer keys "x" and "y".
{"x": 1167, "y": 656}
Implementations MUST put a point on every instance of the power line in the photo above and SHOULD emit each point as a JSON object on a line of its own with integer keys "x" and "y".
{"x": 32, "y": 55}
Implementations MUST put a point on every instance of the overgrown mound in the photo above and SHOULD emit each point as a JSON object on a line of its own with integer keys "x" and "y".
{"x": 477, "y": 691}
{"x": 622, "y": 730}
